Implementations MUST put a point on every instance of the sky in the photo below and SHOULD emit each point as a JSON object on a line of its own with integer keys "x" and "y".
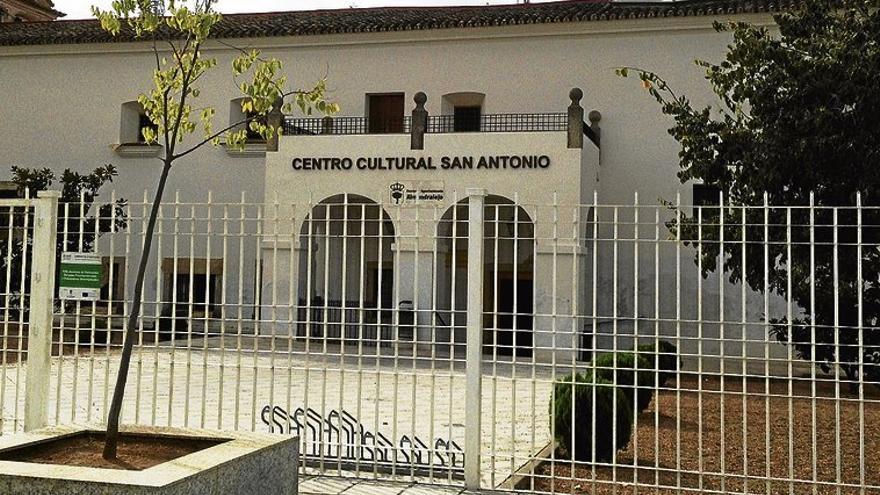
{"x": 79, "y": 9}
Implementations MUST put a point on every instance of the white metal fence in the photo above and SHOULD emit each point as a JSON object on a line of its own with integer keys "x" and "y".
{"x": 441, "y": 343}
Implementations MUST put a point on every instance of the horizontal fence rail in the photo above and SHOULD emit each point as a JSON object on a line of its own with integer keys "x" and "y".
{"x": 622, "y": 348}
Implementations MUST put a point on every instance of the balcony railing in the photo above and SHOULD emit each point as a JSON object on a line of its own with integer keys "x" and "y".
{"x": 437, "y": 124}
{"x": 508, "y": 122}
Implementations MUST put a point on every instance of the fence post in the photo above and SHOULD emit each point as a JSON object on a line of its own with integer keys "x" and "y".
{"x": 419, "y": 122}
{"x": 42, "y": 298}
{"x": 474, "y": 360}
{"x": 575, "y": 119}
{"x": 327, "y": 125}
{"x": 275, "y": 119}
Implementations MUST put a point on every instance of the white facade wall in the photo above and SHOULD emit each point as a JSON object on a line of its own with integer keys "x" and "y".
{"x": 420, "y": 249}
{"x": 67, "y": 100}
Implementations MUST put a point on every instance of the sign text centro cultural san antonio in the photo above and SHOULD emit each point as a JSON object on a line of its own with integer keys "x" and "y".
{"x": 404, "y": 163}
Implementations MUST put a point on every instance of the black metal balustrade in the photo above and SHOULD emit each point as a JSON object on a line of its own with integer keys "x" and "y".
{"x": 345, "y": 126}
{"x": 437, "y": 124}
{"x": 508, "y": 122}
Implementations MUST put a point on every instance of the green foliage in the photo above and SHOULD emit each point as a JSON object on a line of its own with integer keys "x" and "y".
{"x": 577, "y": 401}
{"x": 80, "y": 222}
{"x": 179, "y": 66}
{"x": 796, "y": 123}
{"x": 620, "y": 368}
{"x": 613, "y": 378}
{"x": 665, "y": 361}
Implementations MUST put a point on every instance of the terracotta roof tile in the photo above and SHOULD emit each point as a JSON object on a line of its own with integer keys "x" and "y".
{"x": 368, "y": 20}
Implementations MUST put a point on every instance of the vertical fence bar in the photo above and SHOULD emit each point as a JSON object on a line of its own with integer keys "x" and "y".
{"x": 7, "y": 317}
{"x": 473, "y": 394}
{"x": 860, "y": 326}
{"x": 39, "y": 347}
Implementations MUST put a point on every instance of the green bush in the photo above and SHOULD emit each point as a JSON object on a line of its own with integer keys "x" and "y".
{"x": 619, "y": 369}
{"x": 666, "y": 357}
{"x": 572, "y": 411}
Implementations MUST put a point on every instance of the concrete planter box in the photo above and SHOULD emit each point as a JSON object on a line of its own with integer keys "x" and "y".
{"x": 249, "y": 463}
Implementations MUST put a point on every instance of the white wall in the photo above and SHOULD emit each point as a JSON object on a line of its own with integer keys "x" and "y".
{"x": 66, "y": 107}
{"x": 65, "y": 110}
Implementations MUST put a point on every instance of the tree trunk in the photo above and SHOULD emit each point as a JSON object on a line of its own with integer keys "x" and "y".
{"x": 112, "y": 437}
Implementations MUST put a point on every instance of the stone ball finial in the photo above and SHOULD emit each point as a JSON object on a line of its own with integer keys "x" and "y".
{"x": 576, "y": 94}
{"x": 420, "y": 98}
{"x": 594, "y": 116}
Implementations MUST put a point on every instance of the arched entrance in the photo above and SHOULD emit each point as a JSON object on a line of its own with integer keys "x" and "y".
{"x": 346, "y": 270}
{"x": 508, "y": 280}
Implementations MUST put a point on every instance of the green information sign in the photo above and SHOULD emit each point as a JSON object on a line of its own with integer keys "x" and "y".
{"x": 81, "y": 276}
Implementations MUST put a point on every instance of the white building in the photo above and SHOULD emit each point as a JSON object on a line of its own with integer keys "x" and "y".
{"x": 497, "y": 80}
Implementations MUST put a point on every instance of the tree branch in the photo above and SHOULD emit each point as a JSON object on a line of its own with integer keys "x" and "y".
{"x": 184, "y": 90}
{"x": 165, "y": 96}
{"x": 216, "y": 135}
{"x": 232, "y": 126}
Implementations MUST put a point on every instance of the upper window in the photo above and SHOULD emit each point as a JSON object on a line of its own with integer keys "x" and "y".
{"x": 385, "y": 113}
{"x": 132, "y": 123}
{"x": 465, "y": 109}
{"x": 467, "y": 118}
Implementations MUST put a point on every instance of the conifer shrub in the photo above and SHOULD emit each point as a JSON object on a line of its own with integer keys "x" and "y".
{"x": 665, "y": 357}
{"x": 577, "y": 400}
{"x": 620, "y": 369}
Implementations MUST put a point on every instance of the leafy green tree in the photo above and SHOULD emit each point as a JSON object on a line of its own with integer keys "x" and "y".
{"x": 178, "y": 36}
{"x": 76, "y": 204}
{"x": 796, "y": 123}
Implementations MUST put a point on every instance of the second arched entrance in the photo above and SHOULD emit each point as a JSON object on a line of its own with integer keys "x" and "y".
{"x": 346, "y": 271}
{"x": 508, "y": 274}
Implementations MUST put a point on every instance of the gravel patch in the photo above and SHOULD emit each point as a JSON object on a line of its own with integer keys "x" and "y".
{"x": 701, "y": 437}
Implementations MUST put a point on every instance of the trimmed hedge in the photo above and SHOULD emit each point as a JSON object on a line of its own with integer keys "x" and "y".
{"x": 615, "y": 382}
{"x": 620, "y": 368}
{"x": 665, "y": 360}
{"x": 577, "y": 393}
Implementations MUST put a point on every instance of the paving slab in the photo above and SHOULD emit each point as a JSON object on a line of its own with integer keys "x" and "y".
{"x": 227, "y": 387}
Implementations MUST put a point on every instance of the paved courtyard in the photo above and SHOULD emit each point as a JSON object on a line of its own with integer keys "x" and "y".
{"x": 322, "y": 485}
{"x": 403, "y": 405}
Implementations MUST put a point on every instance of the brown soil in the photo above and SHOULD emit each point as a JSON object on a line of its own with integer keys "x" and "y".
{"x": 690, "y": 443}
{"x": 135, "y": 452}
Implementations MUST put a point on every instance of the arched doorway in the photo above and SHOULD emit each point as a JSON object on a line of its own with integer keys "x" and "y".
{"x": 508, "y": 274}
{"x": 346, "y": 270}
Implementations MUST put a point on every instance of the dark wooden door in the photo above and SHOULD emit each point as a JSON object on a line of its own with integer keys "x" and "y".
{"x": 386, "y": 113}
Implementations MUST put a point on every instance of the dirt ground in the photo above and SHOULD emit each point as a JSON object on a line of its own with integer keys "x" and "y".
{"x": 682, "y": 433}
{"x": 134, "y": 452}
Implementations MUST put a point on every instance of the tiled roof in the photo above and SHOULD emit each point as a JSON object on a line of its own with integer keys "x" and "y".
{"x": 368, "y": 20}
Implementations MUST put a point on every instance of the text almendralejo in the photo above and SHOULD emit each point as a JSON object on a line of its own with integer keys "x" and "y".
{"x": 495, "y": 162}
